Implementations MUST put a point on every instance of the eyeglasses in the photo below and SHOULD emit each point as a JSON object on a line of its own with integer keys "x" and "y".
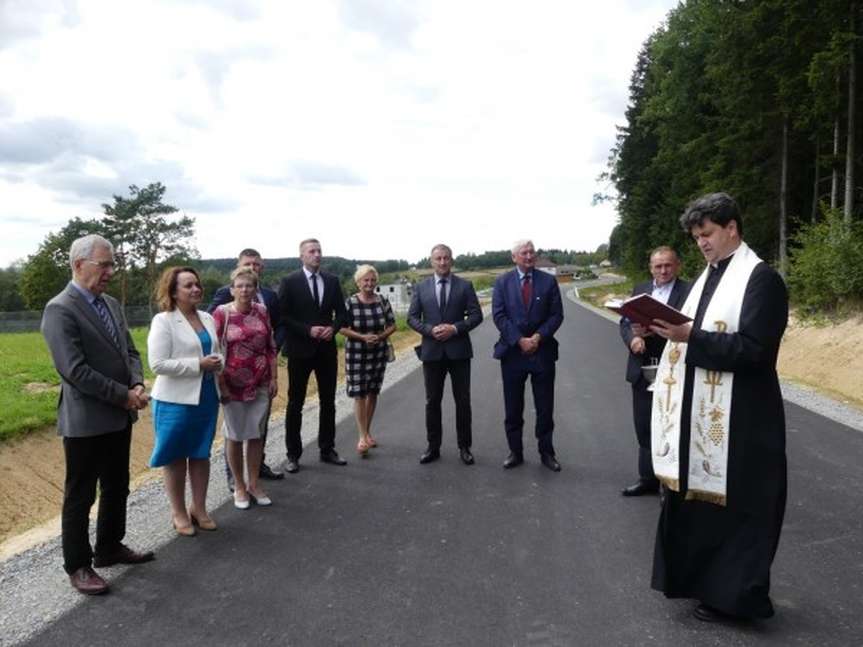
{"x": 102, "y": 265}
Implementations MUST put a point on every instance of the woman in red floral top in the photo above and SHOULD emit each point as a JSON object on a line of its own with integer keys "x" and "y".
{"x": 247, "y": 384}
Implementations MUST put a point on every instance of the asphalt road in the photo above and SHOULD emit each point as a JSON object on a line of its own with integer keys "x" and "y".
{"x": 388, "y": 552}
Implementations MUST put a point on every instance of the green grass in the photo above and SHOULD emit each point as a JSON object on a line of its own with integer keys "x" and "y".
{"x": 597, "y": 295}
{"x": 24, "y": 359}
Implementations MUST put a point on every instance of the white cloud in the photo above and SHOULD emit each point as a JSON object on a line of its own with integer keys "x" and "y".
{"x": 378, "y": 126}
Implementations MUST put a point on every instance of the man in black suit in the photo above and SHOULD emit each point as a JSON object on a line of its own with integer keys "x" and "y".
{"x": 312, "y": 310}
{"x": 646, "y": 348}
{"x": 251, "y": 259}
{"x": 444, "y": 310}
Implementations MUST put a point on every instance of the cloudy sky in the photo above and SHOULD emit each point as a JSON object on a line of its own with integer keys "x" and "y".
{"x": 377, "y": 126}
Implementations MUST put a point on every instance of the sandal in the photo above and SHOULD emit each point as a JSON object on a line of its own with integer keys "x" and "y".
{"x": 363, "y": 448}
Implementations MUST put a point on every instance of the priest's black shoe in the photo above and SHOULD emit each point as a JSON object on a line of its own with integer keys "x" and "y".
{"x": 640, "y": 488}
{"x": 466, "y": 456}
{"x": 429, "y": 455}
{"x": 332, "y": 457}
{"x": 513, "y": 460}
{"x": 550, "y": 462}
{"x": 707, "y": 613}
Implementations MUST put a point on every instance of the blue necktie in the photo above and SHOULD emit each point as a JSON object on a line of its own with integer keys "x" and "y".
{"x": 105, "y": 316}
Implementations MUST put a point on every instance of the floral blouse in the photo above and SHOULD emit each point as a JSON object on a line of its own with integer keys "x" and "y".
{"x": 250, "y": 350}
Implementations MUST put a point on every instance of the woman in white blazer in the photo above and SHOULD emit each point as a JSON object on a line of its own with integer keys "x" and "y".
{"x": 182, "y": 352}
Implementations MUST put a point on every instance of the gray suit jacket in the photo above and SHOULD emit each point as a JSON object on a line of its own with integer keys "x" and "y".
{"x": 95, "y": 373}
{"x": 462, "y": 310}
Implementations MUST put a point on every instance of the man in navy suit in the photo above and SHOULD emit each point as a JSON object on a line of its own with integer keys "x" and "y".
{"x": 252, "y": 259}
{"x": 646, "y": 348}
{"x": 527, "y": 311}
{"x": 444, "y": 309}
{"x": 313, "y": 309}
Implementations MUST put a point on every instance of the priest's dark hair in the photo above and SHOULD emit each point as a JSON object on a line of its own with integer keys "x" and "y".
{"x": 716, "y": 207}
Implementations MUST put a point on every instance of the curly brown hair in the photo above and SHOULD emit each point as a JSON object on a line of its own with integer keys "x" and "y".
{"x": 167, "y": 286}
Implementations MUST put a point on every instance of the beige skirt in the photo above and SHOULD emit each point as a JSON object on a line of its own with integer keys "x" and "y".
{"x": 243, "y": 420}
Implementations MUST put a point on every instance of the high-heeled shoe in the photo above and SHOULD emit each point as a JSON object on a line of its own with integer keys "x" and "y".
{"x": 184, "y": 531}
{"x": 241, "y": 504}
{"x": 203, "y": 524}
{"x": 363, "y": 448}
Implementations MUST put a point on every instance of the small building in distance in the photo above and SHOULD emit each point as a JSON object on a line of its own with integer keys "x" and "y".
{"x": 398, "y": 294}
{"x": 547, "y": 266}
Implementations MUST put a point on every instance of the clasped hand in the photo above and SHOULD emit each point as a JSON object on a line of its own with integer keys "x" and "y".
{"x": 137, "y": 398}
{"x": 443, "y": 331}
{"x": 529, "y": 345}
{"x": 322, "y": 333}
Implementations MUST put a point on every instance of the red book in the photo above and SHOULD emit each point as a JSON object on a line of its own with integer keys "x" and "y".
{"x": 643, "y": 309}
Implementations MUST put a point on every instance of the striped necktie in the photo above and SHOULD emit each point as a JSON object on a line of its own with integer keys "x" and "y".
{"x": 105, "y": 316}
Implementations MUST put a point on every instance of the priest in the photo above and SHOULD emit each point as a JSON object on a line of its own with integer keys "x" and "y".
{"x": 718, "y": 426}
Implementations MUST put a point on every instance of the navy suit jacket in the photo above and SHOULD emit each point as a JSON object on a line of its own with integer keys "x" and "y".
{"x": 655, "y": 344}
{"x": 271, "y": 300}
{"x": 544, "y": 315}
{"x": 462, "y": 311}
{"x": 300, "y": 313}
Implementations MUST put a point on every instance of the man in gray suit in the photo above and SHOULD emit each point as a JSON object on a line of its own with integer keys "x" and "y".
{"x": 102, "y": 389}
{"x": 444, "y": 310}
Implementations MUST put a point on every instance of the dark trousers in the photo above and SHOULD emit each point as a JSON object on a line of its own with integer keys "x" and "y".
{"x": 265, "y": 425}
{"x": 542, "y": 384}
{"x": 324, "y": 364}
{"x": 103, "y": 459}
{"x": 435, "y": 374}
{"x": 642, "y": 407}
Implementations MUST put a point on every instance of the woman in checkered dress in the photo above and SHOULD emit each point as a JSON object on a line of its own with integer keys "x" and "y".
{"x": 370, "y": 322}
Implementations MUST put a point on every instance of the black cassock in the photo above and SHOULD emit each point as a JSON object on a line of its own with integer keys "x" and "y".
{"x": 718, "y": 555}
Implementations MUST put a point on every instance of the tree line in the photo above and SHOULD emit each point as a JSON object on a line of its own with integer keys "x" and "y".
{"x": 757, "y": 98}
{"x": 147, "y": 239}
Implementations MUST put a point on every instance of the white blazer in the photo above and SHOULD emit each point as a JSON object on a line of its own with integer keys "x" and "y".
{"x": 174, "y": 353}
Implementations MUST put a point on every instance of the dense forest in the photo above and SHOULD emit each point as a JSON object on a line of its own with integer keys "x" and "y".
{"x": 758, "y": 99}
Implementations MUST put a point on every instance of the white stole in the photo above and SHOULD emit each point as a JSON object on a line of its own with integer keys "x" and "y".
{"x": 711, "y": 393}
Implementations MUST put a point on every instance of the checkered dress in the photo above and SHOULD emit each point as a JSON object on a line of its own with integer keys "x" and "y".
{"x": 365, "y": 365}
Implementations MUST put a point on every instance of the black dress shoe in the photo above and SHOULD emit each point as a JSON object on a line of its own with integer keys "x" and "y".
{"x": 332, "y": 458}
{"x": 429, "y": 456}
{"x": 550, "y": 462}
{"x": 707, "y": 613}
{"x": 640, "y": 488}
{"x": 513, "y": 460}
{"x": 292, "y": 465}
{"x": 466, "y": 456}
{"x": 87, "y": 581}
{"x": 123, "y": 555}
{"x": 267, "y": 473}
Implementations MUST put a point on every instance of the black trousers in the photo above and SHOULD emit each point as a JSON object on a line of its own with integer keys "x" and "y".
{"x": 642, "y": 408}
{"x": 542, "y": 384}
{"x": 324, "y": 364}
{"x": 103, "y": 459}
{"x": 435, "y": 374}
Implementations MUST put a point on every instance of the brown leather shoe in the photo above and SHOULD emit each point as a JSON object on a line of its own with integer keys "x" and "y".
{"x": 123, "y": 555}
{"x": 87, "y": 581}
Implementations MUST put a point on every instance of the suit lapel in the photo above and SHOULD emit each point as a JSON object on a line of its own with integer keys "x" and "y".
{"x": 86, "y": 309}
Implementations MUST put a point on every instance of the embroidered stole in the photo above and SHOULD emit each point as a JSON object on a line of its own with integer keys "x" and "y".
{"x": 711, "y": 393}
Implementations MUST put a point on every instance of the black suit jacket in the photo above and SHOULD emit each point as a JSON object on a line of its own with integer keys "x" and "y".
{"x": 271, "y": 300}
{"x": 655, "y": 344}
{"x": 299, "y": 313}
{"x": 462, "y": 311}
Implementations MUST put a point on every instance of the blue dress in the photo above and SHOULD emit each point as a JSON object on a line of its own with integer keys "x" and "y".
{"x": 186, "y": 430}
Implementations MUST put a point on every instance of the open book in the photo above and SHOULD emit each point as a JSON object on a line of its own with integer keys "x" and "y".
{"x": 643, "y": 309}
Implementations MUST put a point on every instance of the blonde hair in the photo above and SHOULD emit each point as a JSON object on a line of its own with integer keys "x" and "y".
{"x": 244, "y": 273}
{"x": 362, "y": 270}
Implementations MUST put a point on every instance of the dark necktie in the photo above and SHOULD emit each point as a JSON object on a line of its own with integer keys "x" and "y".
{"x": 315, "y": 292}
{"x": 105, "y": 316}
{"x": 442, "y": 295}
{"x": 525, "y": 290}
